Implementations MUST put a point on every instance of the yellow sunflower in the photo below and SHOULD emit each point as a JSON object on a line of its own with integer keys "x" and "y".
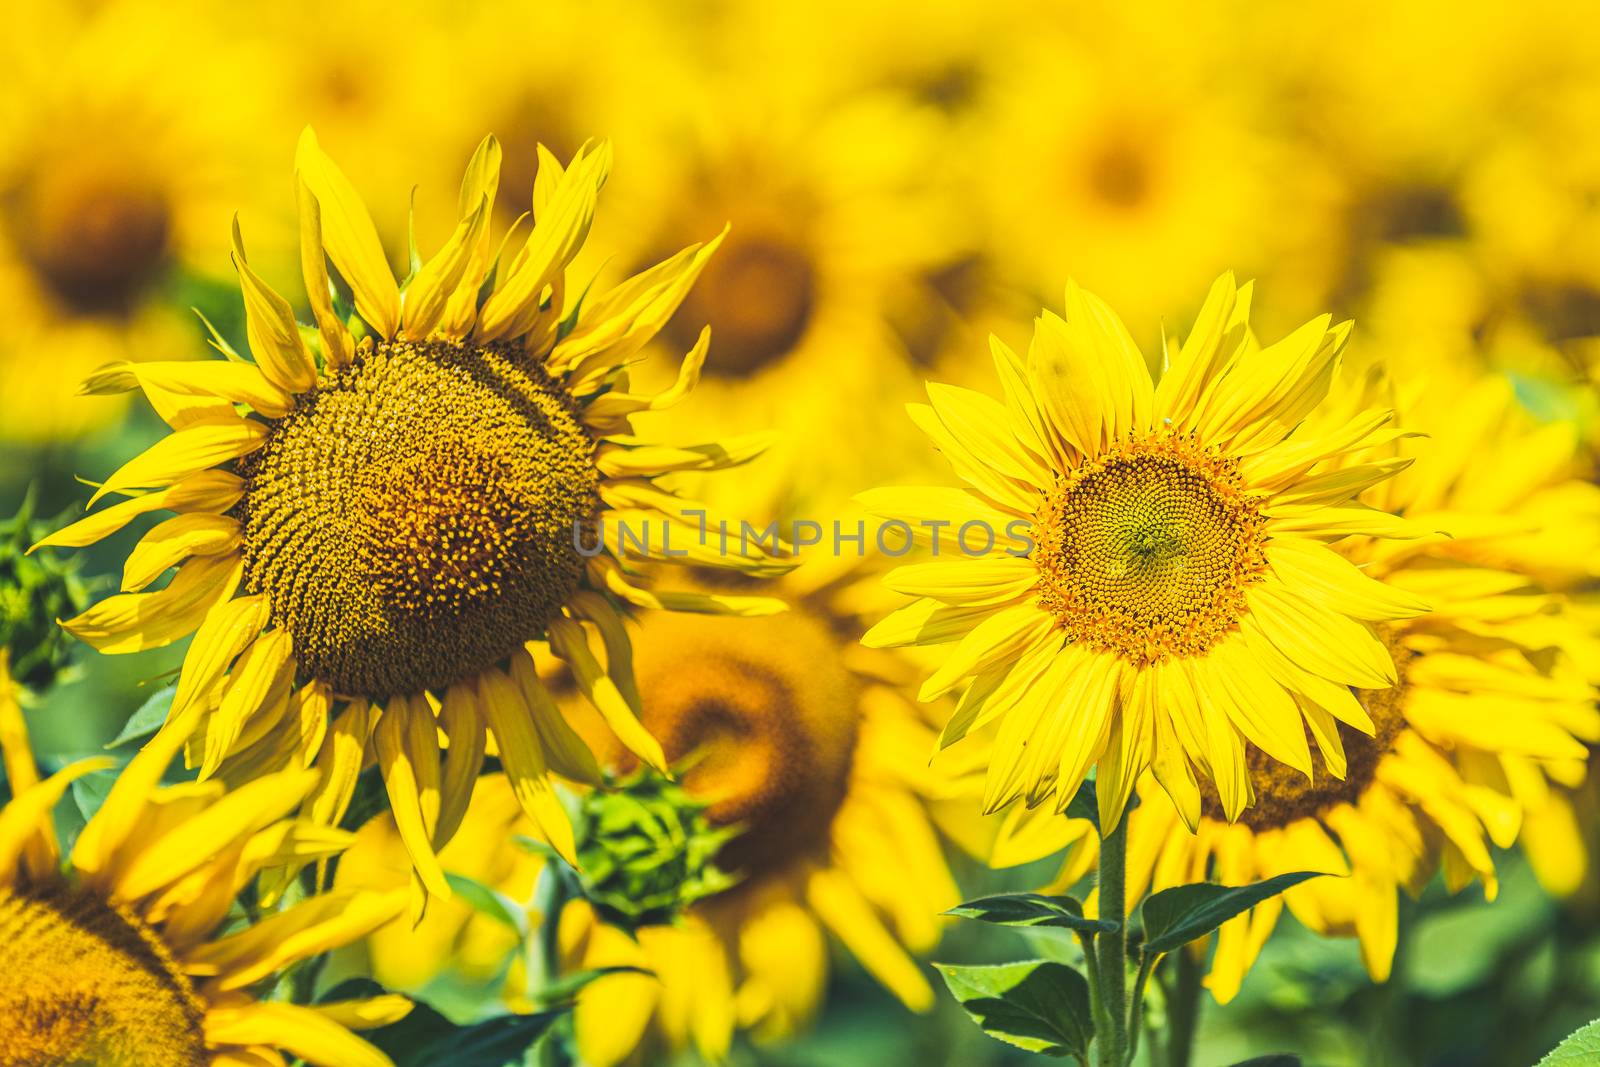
{"x": 836, "y": 209}
{"x": 1491, "y": 704}
{"x": 406, "y": 500}
{"x": 1135, "y": 160}
{"x": 1136, "y": 574}
{"x": 800, "y": 738}
{"x": 125, "y": 954}
{"x": 112, "y": 167}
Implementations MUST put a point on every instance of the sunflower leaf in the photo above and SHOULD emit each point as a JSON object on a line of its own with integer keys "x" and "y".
{"x": 1035, "y": 1005}
{"x": 1085, "y": 804}
{"x": 1578, "y": 1050}
{"x": 1174, "y": 917}
{"x": 490, "y": 902}
{"x": 1031, "y": 909}
{"x": 148, "y": 718}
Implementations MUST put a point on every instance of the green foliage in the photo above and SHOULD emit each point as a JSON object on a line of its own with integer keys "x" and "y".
{"x": 1276, "y": 1060}
{"x": 1035, "y": 1005}
{"x": 1031, "y": 909}
{"x": 646, "y": 851}
{"x": 1582, "y": 1049}
{"x": 425, "y": 1038}
{"x": 35, "y": 591}
{"x": 1174, "y": 917}
{"x": 147, "y": 719}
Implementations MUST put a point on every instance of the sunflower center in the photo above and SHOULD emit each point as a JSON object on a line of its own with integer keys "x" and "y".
{"x": 96, "y": 235}
{"x": 1284, "y": 795}
{"x": 765, "y": 715}
{"x": 1146, "y": 550}
{"x": 86, "y": 984}
{"x": 411, "y": 521}
{"x": 1118, "y": 173}
{"x": 757, "y": 293}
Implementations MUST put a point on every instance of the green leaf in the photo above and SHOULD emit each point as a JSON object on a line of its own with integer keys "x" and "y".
{"x": 489, "y": 901}
{"x": 90, "y": 791}
{"x": 1276, "y": 1059}
{"x": 148, "y": 718}
{"x": 424, "y": 1038}
{"x": 1085, "y": 804}
{"x": 1031, "y": 909}
{"x": 1582, "y": 1049}
{"x": 1176, "y": 916}
{"x": 1035, "y": 1005}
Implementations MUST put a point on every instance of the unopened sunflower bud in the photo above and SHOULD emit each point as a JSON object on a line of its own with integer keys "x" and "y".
{"x": 647, "y": 850}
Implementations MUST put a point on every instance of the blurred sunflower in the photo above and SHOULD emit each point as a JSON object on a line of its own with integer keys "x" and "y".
{"x": 1491, "y": 703}
{"x": 800, "y": 739}
{"x": 1135, "y": 160}
{"x": 1154, "y": 557}
{"x": 111, "y": 171}
{"x": 835, "y": 207}
{"x": 401, "y": 516}
{"x": 125, "y": 954}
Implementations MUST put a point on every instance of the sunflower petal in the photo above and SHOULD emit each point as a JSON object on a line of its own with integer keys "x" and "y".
{"x": 350, "y": 237}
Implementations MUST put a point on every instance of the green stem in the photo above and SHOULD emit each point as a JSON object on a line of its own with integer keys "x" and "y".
{"x": 1147, "y": 962}
{"x": 1183, "y": 1010}
{"x": 1113, "y": 947}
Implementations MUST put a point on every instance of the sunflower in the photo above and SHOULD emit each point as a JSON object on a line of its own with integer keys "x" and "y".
{"x": 111, "y": 175}
{"x": 124, "y": 953}
{"x": 1491, "y": 705}
{"x": 1136, "y": 162}
{"x": 1150, "y": 557}
{"x": 406, "y": 501}
{"x": 801, "y": 739}
{"x": 837, "y": 211}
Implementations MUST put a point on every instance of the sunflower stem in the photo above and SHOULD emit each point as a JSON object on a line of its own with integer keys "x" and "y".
{"x": 1183, "y": 1009}
{"x": 1112, "y": 947}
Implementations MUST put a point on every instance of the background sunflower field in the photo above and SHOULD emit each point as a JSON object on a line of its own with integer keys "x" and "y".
{"x": 900, "y": 181}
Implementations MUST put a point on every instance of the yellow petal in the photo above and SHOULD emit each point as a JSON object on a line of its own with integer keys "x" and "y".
{"x": 524, "y": 760}
{"x": 564, "y": 750}
{"x": 197, "y": 841}
{"x": 350, "y": 238}
{"x": 171, "y": 542}
{"x": 337, "y": 347}
{"x": 557, "y": 235}
{"x": 317, "y": 925}
{"x": 170, "y": 386}
{"x": 265, "y": 667}
{"x": 567, "y": 640}
{"x": 186, "y": 452}
{"x": 274, "y": 336}
{"x": 313, "y": 1036}
{"x": 463, "y": 725}
{"x": 429, "y": 292}
{"x": 28, "y": 815}
{"x": 133, "y": 622}
{"x": 408, "y": 756}
{"x": 213, "y": 491}
{"x": 841, "y": 907}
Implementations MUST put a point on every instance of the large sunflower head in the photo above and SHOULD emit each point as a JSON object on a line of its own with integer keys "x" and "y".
{"x": 799, "y": 741}
{"x": 1138, "y": 574}
{"x": 118, "y": 953}
{"x": 383, "y": 511}
{"x": 1492, "y": 703}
